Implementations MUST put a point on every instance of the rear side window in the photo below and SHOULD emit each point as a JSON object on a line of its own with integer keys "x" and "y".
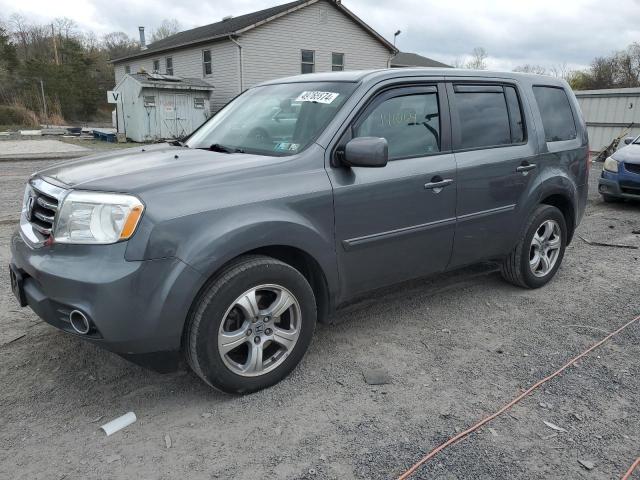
{"x": 483, "y": 116}
{"x": 410, "y": 123}
{"x": 515, "y": 115}
{"x": 555, "y": 110}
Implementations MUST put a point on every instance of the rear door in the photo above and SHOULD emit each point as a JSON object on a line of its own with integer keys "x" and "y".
{"x": 496, "y": 161}
{"x": 397, "y": 222}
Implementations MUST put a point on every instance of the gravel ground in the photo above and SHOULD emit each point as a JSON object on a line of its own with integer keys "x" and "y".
{"x": 456, "y": 347}
{"x": 52, "y": 148}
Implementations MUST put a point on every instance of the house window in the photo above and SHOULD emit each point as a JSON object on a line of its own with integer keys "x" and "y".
{"x": 149, "y": 101}
{"x": 308, "y": 61}
{"x": 169, "y": 66}
{"x": 206, "y": 62}
{"x": 127, "y": 69}
{"x": 198, "y": 102}
{"x": 337, "y": 62}
{"x": 156, "y": 66}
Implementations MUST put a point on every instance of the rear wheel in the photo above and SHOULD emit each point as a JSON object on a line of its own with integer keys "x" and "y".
{"x": 252, "y": 325}
{"x": 538, "y": 255}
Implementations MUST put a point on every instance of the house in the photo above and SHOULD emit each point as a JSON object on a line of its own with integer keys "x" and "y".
{"x": 153, "y": 106}
{"x": 405, "y": 59}
{"x": 238, "y": 52}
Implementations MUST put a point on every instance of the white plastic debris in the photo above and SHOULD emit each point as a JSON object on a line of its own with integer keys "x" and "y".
{"x": 119, "y": 423}
{"x": 554, "y": 426}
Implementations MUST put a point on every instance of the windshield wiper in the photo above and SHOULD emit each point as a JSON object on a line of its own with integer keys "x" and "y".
{"x": 216, "y": 147}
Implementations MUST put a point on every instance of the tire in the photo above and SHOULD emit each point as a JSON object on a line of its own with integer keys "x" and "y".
{"x": 517, "y": 267}
{"x": 610, "y": 199}
{"x": 222, "y": 312}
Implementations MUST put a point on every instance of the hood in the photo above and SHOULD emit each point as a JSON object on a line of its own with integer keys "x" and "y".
{"x": 141, "y": 168}
{"x": 628, "y": 154}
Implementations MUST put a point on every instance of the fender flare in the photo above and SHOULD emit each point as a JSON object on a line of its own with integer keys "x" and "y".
{"x": 216, "y": 238}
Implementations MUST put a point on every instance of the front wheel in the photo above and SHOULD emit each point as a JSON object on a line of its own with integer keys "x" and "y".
{"x": 538, "y": 255}
{"x": 251, "y": 326}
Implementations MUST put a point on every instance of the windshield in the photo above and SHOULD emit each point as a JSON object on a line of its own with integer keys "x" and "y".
{"x": 276, "y": 120}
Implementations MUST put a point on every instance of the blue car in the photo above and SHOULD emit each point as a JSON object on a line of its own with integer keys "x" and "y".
{"x": 620, "y": 177}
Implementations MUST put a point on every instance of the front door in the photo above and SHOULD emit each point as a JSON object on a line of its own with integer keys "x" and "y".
{"x": 496, "y": 162}
{"x": 397, "y": 222}
{"x": 168, "y": 115}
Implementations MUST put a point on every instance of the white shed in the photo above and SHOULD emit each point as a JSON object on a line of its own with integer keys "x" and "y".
{"x": 155, "y": 107}
{"x": 610, "y": 113}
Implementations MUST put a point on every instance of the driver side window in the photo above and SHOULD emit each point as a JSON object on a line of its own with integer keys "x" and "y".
{"x": 409, "y": 123}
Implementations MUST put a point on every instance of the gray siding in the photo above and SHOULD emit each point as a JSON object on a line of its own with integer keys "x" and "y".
{"x": 188, "y": 63}
{"x": 273, "y": 50}
{"x": 608, "y": 113}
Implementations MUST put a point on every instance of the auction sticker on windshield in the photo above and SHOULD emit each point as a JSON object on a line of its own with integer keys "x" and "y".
{"x": 318, "y": 97}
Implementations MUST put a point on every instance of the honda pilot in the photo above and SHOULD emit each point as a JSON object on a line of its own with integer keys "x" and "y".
{"x": 297, "y": 197}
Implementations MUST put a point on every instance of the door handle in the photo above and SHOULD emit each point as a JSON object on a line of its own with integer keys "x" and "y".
{"x": 437, "y": 183}
{"x": 526, "y": 167}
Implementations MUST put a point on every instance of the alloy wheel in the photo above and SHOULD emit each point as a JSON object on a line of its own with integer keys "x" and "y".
{"x": 545, "y": 248}
{"x": 259, "y": 330}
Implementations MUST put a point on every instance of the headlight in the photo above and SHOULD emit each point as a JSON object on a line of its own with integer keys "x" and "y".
{"x": 99, "y": 218}
{"x": 610, "y": 165}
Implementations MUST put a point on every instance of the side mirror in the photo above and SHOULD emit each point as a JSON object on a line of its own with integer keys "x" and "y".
{"x": 628, "y": 140}
{"x": 366, "y": 152}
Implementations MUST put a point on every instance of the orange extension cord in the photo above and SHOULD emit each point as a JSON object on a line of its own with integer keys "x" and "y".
{"x": 631, "y": 469}
{"x": 527, "y": 392}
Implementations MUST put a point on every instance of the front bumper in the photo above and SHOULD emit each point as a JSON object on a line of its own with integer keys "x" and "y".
{"x": 136, "y": 308}
{"x": 621, "y": 185}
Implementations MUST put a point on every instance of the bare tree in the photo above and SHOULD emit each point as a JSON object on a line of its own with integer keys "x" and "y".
{"x": 602, "y": 73}
{"x": 561, "y": 70}
{"x": 167, "y": 28}
{"x": 478, "y": 59}
{"x": 90, "y": 41}
{"x": 119, "y": 44}
{"x": 65, "y": 27}
{"x": 531, "y": 68}
{"x": 20, "y": 31}
{"x": 458, "y": 62}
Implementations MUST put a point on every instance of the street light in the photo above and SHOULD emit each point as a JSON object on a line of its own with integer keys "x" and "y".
{"x": 395, "y": 35}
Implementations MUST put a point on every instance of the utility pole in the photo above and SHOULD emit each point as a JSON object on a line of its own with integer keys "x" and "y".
{"x": 395, "y": 35}
{"x": 44, "y": 102}
{"x": 55, "y": 46}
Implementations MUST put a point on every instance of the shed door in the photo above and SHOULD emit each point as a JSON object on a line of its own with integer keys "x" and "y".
{"x": 168, "y": 115}
{"x": 183, "y": 119}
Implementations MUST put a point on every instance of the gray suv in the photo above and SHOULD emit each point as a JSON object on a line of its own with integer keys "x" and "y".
{"x": 229, "y": 246}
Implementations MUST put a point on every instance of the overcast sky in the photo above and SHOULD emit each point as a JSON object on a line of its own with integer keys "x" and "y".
{"x": 514, "y": 32}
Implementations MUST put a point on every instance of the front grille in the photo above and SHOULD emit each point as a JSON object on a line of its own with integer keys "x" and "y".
{"x": 42, "y": 212}
{"x": 632, "y": 167}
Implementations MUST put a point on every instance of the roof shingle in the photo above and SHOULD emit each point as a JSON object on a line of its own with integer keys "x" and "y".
{"x": 406, "y": 59}
{"x": 232, "y": 26}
